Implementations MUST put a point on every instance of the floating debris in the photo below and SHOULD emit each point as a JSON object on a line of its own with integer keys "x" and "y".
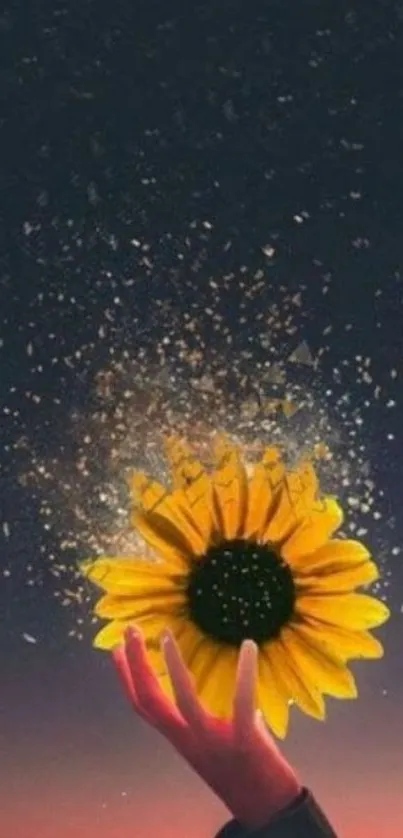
{"x": 29, "y": 638}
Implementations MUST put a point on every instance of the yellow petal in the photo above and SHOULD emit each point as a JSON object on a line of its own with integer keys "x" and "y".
{"x": 217, "y": 691}
{"x": 166, "y": 685}
{"x": 111, "y": 635}
{"x": 314, "y": 531}
{"x": 230, "y": 486}
{"x": 335, "y": 555}
{"x": 190, "y": 476}
{"x": 131, "y": 575}
{"x": 164, "y": 537}
{"x": 274, "y": 467}
{"x": 189, "y": 639}
{"x": 201, "y": 661}
{"x": 298, "y": 495}
{"x": 302, "y": 486}
{"x": 260, "y": 501}
{"x": 157, "y": 502}
{"x": 291, "y": 675}
{"x": 189, "y": 524}
{"x": 148, "y": 493}
{"x": 271, "y": 700}
{"x": 339, "y": 582}
{"x": 153, "y": 625}
{"x": 352, "y": 611}
{"x": 345, "y": 643}
{"x": 112, "y": 607}
{"x": 281, "y": 522}
{"x": 322, "y": 668}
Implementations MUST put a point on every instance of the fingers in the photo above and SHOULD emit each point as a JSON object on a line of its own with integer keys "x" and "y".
{"x": 245, "y": 691}
{"x": 144, "y": 689}
{"x": 123, "y": 670}
{"x": 125, "y": 677}
{"x": 182, "y": 683}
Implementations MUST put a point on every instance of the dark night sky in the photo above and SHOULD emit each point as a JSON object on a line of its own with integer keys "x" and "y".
{"x": 145, "y": 150}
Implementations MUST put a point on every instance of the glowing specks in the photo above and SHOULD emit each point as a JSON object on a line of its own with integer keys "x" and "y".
{"x": 214, "y": 352}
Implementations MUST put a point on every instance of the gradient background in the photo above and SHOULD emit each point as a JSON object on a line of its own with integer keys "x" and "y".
{"x": 173, "y": 117}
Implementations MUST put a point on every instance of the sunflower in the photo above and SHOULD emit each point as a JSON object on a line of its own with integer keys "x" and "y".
{"x": 244, "y": 551}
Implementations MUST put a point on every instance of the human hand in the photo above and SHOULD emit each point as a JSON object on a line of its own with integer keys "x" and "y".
{"x": 237, "y": 758}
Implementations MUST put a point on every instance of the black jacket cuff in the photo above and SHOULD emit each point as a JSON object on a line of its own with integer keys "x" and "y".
{"x": 302, "y": 819}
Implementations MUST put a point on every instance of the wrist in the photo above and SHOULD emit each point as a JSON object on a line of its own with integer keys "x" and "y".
{"x": 256, "y": 806}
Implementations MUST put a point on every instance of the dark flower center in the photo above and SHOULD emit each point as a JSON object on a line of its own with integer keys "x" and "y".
{"x": 241, "y": 590}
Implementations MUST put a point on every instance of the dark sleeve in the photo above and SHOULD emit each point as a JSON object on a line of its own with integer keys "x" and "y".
{"x": 303, "y": 819}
